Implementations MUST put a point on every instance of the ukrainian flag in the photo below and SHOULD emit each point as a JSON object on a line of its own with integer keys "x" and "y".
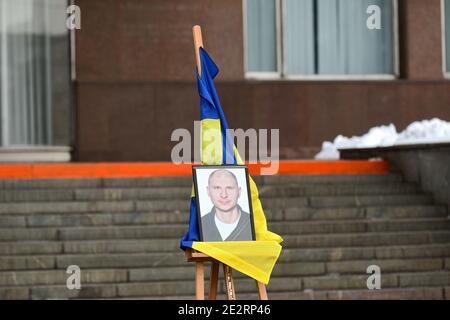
{"x": 253, "y": 258}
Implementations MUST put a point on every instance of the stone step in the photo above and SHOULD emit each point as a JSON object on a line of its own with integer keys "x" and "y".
{"x": 21, "y": 184}
{"x": 332, "y": 178}
{"x": 69, "y": 207}
{"x": 59, "y": 277}
{"x": 298, "y": 202}
{"x": 176, "y": 231}
{"x": 183, "y": 205}
{"x": 393, "y": 212}
{"x": 386, "y": 265}
{"x": 25, "y": 247}
{"x": 353, "y": 226}
{"x": 417, "y": 293}
{"x": 292, "y": 214}
{"x": 285, "y": 267}
{"x": 32, "y": 262}
{"x": 244, "y": 286}
{"x": 298, "y": 269}
{"x": 366, "y": 253}
{"x": 414, "y": 293}
{"x": 293, "y": 190}
{"x": 186, "y": 272}
{"x": 6, "y": 184}
{"x": 342, "y": 282}
{"x": 108, "y": 292}
{"x": 288, "y": 254}
{"x": 270, "y": 191}
{"x": 15, "y": 293}
{"x": 176, "y": 258}
{"x": 88, "y": 291}
{"x": 36, "y": 195}
{"x": 309, "y": 247}
{"x": 366, "y": 239}
{"x": 375, "y": 200}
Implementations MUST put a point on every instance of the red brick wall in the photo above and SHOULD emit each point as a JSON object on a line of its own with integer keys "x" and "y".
{"x": 135, "y": 81}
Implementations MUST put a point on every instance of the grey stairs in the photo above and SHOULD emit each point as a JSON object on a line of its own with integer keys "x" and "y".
{"x": 124, "y": 235}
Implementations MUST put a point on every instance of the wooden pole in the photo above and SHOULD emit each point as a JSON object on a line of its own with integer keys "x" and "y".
{"x": 262, "y": 293}
{"x": 198, "y": 42}
{"x": 214, "y": 277}
{"x": 200, "y": 273}
{"x": 199, "y": 281}
{"x": 229, "y": 285}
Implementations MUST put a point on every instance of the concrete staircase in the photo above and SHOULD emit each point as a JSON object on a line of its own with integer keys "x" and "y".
{"x": 124, "y": 234}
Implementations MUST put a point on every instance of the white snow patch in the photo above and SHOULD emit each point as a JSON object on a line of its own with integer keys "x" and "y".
{"x": 418, "y": 132}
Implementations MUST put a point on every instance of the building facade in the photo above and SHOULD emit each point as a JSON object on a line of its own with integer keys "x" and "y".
{"x": 116, "y": 88}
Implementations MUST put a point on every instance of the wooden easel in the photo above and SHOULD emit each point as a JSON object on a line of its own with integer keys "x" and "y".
{"x": 200, "y": 258}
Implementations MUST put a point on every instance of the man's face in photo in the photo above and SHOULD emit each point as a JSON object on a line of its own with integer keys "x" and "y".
{"x": 223, "y": 190}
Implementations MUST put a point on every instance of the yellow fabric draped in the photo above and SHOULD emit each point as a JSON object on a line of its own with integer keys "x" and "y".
{"x": 253, "y": 258}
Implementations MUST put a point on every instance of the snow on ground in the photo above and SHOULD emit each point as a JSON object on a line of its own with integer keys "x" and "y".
{"x": 425, "y": 131}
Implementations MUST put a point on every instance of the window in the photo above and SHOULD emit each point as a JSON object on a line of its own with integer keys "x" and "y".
{"x": 319, "y": 39}
{"x": 35, "y": 105}
{"x": 261, "y": 36}
{"x": 446, "y": 36}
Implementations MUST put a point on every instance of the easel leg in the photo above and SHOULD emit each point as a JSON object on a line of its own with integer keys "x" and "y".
{"x": 214, "y": 278}
{"x": 262, "y": 291}
{"x": 199, "y": 281}
{"x": 229, "y": 285}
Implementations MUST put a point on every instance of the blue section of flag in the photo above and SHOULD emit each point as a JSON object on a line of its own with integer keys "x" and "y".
{"x": 210, "y": 107}
{"x": 193, "y": 232}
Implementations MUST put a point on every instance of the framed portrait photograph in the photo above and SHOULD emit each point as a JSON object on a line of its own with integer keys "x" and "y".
{"x": 224, "y": 205}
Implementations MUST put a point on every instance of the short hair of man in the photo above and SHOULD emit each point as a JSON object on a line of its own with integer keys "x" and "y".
{"x": 222, "y": 171}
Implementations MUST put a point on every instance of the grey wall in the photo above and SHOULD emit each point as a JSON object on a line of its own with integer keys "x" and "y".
{"x": 427, "y": 165}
